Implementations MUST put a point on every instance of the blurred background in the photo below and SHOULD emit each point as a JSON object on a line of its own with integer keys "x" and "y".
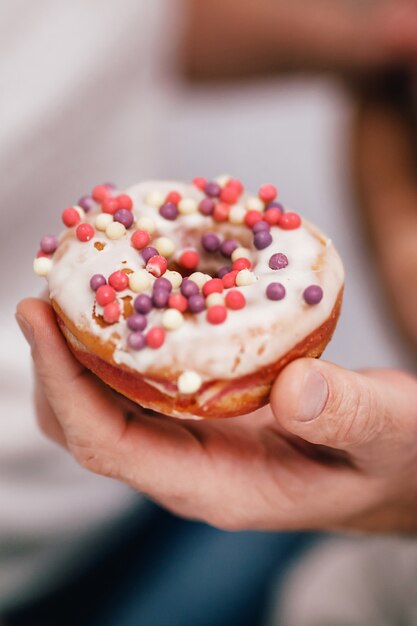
{"x": 94, "y": 92}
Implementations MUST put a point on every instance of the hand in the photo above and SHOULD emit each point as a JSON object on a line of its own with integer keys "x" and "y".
{"x": 336, "y": 449}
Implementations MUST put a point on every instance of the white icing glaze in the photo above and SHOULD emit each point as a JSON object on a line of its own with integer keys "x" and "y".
{"x": 250, "y": 338}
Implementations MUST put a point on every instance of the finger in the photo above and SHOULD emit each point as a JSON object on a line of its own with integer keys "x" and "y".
{"x": 325, "y": 404}
{"x": 46, "y": 418}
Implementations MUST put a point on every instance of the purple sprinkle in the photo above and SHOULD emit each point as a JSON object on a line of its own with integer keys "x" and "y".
{"x": 278, "y": 261}
{"x": 275, "y": 291}
{"x": 227, "y": 247}
{"x": 262, "y": 239}
{"x": 261, "y": 225}
{"x": 212, "y": 189}
{"x": 124, "y": 216}
{"x": 210, "y": 242}
{"x": 223, "y": 271}
{"x": 196, "y": 303}
{"x": 275, "y": 205}
{"x": 136, "y": 341}
{"x": 87, "y": 203}
{"x": 142, "y": 304}
{"x": 110, "y": 186}
{"x": 148, "y": 252}
{"x": 189, "y": 288}
{"x": 206, "y": 206}
{"x": 162, "y": 283}
{"x": 137, "y": 321}
{"x": 49, "y": 244}
{"x": 313, "y": 294}
{"x": 169, "y": 211}
{"x": 96, "y": 281}
{"x": 160, "y": 298}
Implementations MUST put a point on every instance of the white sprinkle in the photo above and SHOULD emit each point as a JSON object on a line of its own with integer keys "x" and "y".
{"x": 244, "y": 278}
{"x": 42, "y": 266}
{"x": 174, "y": 278}
{"x": 241, "y": 253}
{"x": 80, "y": 211}
{"x": 223, "y": 180}
{"x": 172, "y": 319}
{"x": 213, "y": 299}
{"x": 146, "y": 223}
{"x": 155, "y": 199}
{"x": 199, "y": 278}
{"x": 115, "y": 230}
{"x": 255, "y": 204}
{"x": 189, "y": 382}
{"x": 165, "y": 246}
{"x": 237, "y": 214}
{"x": 139, "y": 281}
{"x": 187, "y": 206}
{"x": 103, "y": 220}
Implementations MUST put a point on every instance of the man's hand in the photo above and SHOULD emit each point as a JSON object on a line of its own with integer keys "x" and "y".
{"x": 335, "y": 449}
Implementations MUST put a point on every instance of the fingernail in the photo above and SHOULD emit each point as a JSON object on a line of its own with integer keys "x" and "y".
{"x": 26, "y": 329}
{"x": 313, "y": 397}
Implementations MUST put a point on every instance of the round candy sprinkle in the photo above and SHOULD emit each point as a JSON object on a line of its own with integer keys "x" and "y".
{"x": 139, "y": 281}
{"x": 174, "y": 278}
{"x": 100, "y": 193}
{"x": 165, "y": 246}
{"x": 227, "y": 247}
{"x": 118, "y": 280}
{"x": 96, "y": 281}
{"x": 255, "y": 204}
{"x": 140, "y": 239}
{"x": 189, "y": 288}
{"x": 261, "y": 225}
{"x": 215, "y": 285}
{"x": 110, "y": 186}
{"x": 105, "y": 294}
{"x": 290, "y": 221}
{"x": 148, "y": 252}
{"x": 187, "y": 206}
{"x": 196, "y": 303}
{"x": 229, "y": 279}
{"x": 275, "y": 205}
{"x": 275, "y": 291}
{"x": 272, "y": 216}
{"x": 212, "y": 189}
{"x": 221, "y": 212}
{"x": 268, "y": 193}
{"x": 173, "y": 197}
{"x": 237, "y": 215}
{"x": 178, "y": 301}
{"x": 86, "y": 203}
{"x": 206, "y": 206}
{"x": 124, "y": 202}
{"x": 189, "y": 382}
{"x": 216, "y": 314}
{"x": 236, "y": 184}
{"x": 214, "y": 299}
{"x": 102, "y": 221}
{"x": 84, "y": 232}
{"x": 235, "y": 300}
{"x": 155, "y": 337}
{"x": 200, "y": 183}
{"x": 42, "y": 266}
{"x": 109, "y": 205}
{"x": 262, "y": 240}
{"x": 137, "y": 321}
{"x": 111, "y": 313}
{"x": 115, "y": 230}
{"x": 160, "y": 298}
{"x": 157, "y": 265}
{"x": 172, "y": 319}
{"x": 41, "y": 253}
{"x": 241, "y": 253}
{"x": 229, "y": 195}
{"x": 136, "y": 341}
{"x": 223, "y": 271}
{"x": 155, "y": 199}
{"x": 241, "y": 264}
{"x": 70, "y": 217}
{"x": 278, "y": 261}
{"x": 125, "y": 217}
{"x": 189, "y": 259}
{"x": 252, "y": 217}
{"x": 210, "y": 242}
{"x": 313, "y": 294}
{"x": 162, "y": 283}
{"x": 244, "y": 278}
{"x": 169, "y": 211}
{"x": 146, "y": 223}
{"x": 49, "y": 244}
{"x": 199, "y": 278}
{"x": 142, "y": 304}
{"x": 222, "y": 180}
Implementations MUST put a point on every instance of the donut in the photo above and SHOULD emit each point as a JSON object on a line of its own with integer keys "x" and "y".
{"x": 189, "y": 299}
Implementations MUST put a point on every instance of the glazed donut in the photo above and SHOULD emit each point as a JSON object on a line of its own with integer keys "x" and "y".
{"x": 190, "y": 298}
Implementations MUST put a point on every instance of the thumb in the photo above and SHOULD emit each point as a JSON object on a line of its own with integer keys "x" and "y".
{"x": 325, "y": 404}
